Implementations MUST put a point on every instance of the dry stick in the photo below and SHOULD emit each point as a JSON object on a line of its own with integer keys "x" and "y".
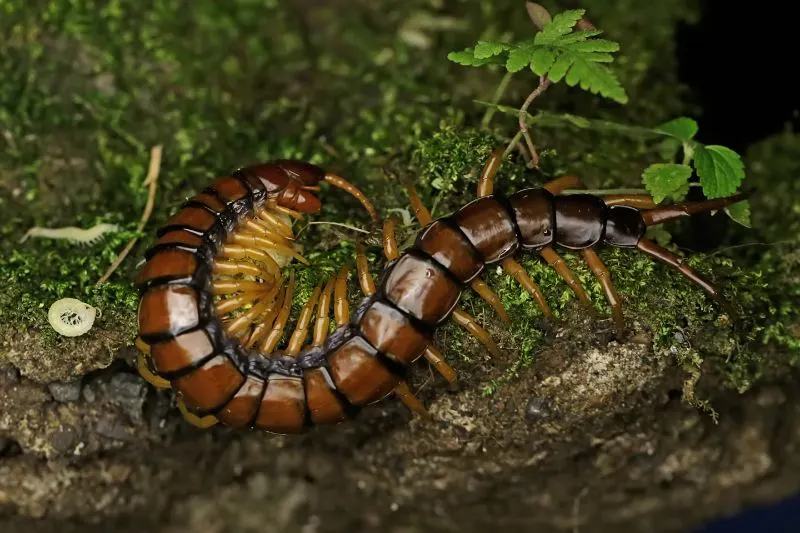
{"x": 544, "y": 83}
{"x": 151, "y": 181}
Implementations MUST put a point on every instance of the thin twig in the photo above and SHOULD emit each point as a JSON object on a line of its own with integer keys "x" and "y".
{"x": 326, "y": 223}
{"x": 513, "y": 144}
{"x": 151, "y": 181}
{"x": 544, "y": 83}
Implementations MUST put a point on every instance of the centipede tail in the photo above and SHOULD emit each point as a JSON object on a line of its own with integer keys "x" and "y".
{"x": 215, "y": 301}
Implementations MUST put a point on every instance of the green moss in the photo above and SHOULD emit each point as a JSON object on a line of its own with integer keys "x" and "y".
{"x": 90, "y": 86}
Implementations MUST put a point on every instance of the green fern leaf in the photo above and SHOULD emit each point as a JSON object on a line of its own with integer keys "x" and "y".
{"x": 486, "y": 49}
{"x": 594, "y": 45}
{"x": 519, "y": 58}
{"x": 579, "y": 36}
{"x": 558, "y": 52}
{"x": 541, "y": 60}
{"x": 467, "y": 58}
{"x": 560, "y": 67}
{"x": 596, "y": 79}
{"x": 665, "y": 179}
{"x": 561, "y": 24}
{"x": 720, "y": 169}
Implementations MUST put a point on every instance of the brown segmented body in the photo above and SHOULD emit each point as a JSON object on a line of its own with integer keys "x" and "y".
{"x": 230, "y": 241}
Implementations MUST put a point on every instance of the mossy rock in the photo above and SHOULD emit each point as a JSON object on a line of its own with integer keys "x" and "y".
{"x": 364, "y": 88}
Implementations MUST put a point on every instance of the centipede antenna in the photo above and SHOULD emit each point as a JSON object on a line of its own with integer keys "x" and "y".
{"x": 348, "y": 187}
{"x": 665, "y": 256}
{"x": 653, "y": 217}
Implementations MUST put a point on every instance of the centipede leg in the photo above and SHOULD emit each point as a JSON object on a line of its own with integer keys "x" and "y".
{"x": 390, "y": 248}
{"x": 341, "y": 309}
{"x": 435, "y": 358}
{"x": 322, "y": 322}
{"x": 486, "y": 179}
{"x": 665, "y": 256}
{"x": 466, "y": 321}
{"x": 301, "y": 329}
{"x": 517, "y": 271}
{"x": 558, "y": 263}
{"x": 271, "y": 341}
{"x": 604, "y": 278}
{"x": 562, "y": 183}
{"x": 362, "y": 267}
{"x": 409, "y": 400}
{"x": 143, "y": 366}
{"x": 202, "y": 422}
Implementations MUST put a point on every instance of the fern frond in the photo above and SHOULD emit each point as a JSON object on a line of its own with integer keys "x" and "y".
{"x": 558, "y": 52}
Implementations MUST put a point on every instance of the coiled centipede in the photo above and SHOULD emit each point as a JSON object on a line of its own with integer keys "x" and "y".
{"x": 214, "y": 304}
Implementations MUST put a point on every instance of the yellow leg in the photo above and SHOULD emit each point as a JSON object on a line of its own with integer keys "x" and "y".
{"x": 236, "y": 251}
{"x": 557, "y": 262}
{"x": 144, "y": 367}
{"x": 274, "y": 337}
{"x": 517, "y": 271}
{"x": 604, "y": 278}
{"x": 322, "y": 322}
{"x": 301, "y": 329}
{"x": 435, "y": 358}
{"x": 265, "y": 325}
{"x": 263, "y": 243}
{"x": 273, "y": 221}
{"x": 466, "y": 321}
{"x": 341, "y": 309}
{"x": 202, "y": 422}
{"x": 409, "y": 400}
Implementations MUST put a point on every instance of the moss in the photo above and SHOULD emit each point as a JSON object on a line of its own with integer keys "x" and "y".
{"x": 367, "y": 92}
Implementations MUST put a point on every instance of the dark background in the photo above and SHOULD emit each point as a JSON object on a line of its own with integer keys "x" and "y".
{"x": 739, "y": 61}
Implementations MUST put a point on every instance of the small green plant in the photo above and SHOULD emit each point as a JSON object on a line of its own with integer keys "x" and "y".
{"x": 567, "y": 48}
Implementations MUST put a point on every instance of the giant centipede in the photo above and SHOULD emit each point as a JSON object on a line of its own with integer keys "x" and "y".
{"x": 214, "y": 302}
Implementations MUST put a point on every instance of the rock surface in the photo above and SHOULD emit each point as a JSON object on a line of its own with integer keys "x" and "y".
{"x": 593, "y": 436}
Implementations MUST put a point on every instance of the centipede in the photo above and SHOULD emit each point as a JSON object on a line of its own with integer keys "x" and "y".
{"x": 215, "y": 301}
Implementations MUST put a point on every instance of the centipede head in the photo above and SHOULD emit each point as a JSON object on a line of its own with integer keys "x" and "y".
{"x": 291, "y": 183}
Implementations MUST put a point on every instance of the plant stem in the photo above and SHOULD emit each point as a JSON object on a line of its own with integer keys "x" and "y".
{"x": 498, "y": 94}
{"x": 603, "y": 192}
{"x": 544, "y": 83}
{"x": 514, "y": 141}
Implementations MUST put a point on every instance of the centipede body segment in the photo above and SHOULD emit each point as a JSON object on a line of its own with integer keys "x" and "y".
{"x": 215, "y": 300}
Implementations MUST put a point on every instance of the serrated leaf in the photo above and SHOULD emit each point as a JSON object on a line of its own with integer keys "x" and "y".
{"x": 561, "y": 24}
{"x": 594, "y": 45}
{"x": 486, "y": 49}
{"x": 519, "y": 58}
{"x": 720, "y": 169}
{"x": 467, "y": 58}
{"x": 665, "y": 179}
{"x": 740, "y": 212}
{"x": 682, "y": 128}
{"x": 596, "y": 57}
{"x": 578, "y": 36}
{"x": 597, "y": 79}
{"x": 541, "y": 60}
{"x": 560, "y": 67}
